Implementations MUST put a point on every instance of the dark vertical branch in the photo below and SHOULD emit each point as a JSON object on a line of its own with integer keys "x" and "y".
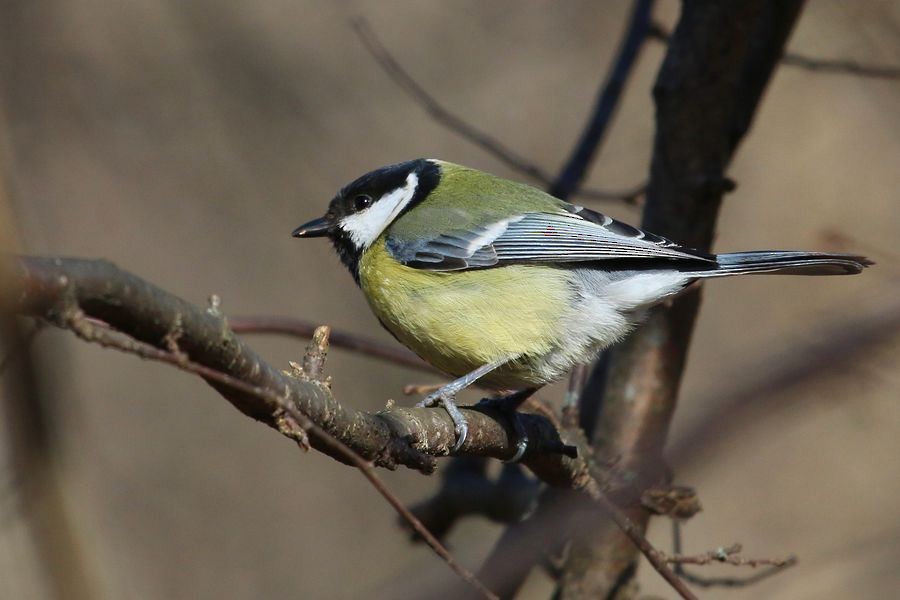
{"x": 572, "y": 175}
{"x": 720, "y": 59}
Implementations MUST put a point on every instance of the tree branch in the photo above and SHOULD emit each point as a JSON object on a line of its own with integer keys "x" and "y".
{"x": 289, "y": 419}
{"x": 725, "y": 555}
{"x": 409, "y": 437}
{"x": 341, "y": 339}
{"x": 812, "y": 63}
{"x": 719, "y": 60}
{"x": 569, "y": 180}
{"x": 454, "y": 123}
{"x": 635, "y": 533}
{"x": 845, "y": 66}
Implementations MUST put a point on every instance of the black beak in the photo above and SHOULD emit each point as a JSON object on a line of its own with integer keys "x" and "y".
{"x": 315, "y": 228}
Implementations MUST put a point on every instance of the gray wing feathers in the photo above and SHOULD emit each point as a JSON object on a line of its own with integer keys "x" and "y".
{"x": 452, "y": 251}
{"x": 538, "y": 238}
{"x": 549, "y": 237}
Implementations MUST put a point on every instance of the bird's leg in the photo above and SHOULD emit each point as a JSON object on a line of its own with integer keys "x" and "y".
{"x": 510, "y": 404}
{"x": 446, "y": 396}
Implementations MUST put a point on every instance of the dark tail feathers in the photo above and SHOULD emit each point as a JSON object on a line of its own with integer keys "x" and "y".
{"x": 784, "y": 262}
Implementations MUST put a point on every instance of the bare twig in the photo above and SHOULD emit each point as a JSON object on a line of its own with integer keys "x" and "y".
{"x": 634, "y": 532}
{"x": 811, "y": 63}
{"x": 338, "y": 339}
{"x": 74, "y": 319}
{"x": 592, "y": 135}
{"x": 415, "y": 389}
{"x": 841, "y": 241}
{"x": 723, "y": 555}
{"x": 314, "y": 359}
{"x": 729, "y": 555}
{"x": 845, "y": 66}
{"x": 486, "y": 142}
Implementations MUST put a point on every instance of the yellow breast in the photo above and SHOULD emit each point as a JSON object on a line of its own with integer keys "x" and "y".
{"x": 460, "y": 320}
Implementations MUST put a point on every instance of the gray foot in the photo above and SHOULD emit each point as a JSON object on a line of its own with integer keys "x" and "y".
{"x": 460, "y": 425}
{"x": 509, "y": 405}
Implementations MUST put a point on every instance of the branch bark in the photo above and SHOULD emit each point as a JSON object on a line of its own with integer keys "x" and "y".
{"x": 720, "y": 58}
{"x": 50, "y": 288}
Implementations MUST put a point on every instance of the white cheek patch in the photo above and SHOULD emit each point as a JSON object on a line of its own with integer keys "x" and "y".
{"x": 364, "y": 227}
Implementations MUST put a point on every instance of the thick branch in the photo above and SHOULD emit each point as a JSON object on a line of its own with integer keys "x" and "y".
{"x": 289, "y": 419}
{"x": 410, "y": 437}
{"x": 719, "y": 60}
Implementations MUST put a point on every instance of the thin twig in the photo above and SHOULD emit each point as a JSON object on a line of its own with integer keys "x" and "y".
{"x": 634, "y": 533}
{"x": 610, "y": 93}
{"x": 723, "y": 555}
{"x": 728, "y": 555}
{"x": 810, "y": 63}
{"x": 338, "y": 338}
{"x": 840, "y": 241}
{"x": 486, "y": 142}
{"x": 845, "y": 66}
{"x": 112, "y": 339}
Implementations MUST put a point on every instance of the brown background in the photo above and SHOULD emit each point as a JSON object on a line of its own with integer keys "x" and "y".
{"x": 184, "y": 140}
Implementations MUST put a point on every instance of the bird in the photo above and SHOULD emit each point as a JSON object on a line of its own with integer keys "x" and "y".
{"x": 497, "y": 282}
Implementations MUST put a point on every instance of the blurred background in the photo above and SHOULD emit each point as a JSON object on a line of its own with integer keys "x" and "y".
{"x": 183, "y": 140}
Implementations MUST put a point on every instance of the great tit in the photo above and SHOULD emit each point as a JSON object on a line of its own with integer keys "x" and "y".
{"x": 495, "y": 281}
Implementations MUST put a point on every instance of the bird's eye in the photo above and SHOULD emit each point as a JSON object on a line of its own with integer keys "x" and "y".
{"x": 362, "y": 202}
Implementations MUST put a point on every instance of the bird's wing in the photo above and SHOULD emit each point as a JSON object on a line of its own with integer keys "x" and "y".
{"x": 578, "y": 235}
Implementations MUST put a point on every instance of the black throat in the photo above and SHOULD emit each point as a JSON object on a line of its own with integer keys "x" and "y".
{"x": 347, "y": 251}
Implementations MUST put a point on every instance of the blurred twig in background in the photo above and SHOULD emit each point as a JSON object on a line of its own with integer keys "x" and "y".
{"x": 848, "y": 67}
{"x": 569, "y": 181}
{"x": 835, "y": 350}
{"x": 260, "y": 324}
{"x": 487, "y": 142}
{"x": 811, "y": 63}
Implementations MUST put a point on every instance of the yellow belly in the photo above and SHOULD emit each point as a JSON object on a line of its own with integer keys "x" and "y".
{"x": 461, "y": 320}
